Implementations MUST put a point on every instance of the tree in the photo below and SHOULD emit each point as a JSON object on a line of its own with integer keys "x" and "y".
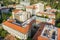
{"x": 1, "y": 20}
{"x": 58, "y": 16}
{"x": 56, "y": 12}
{"x": 43, "y": 16}
{"x": 46, "y": 16}
{"x": 58, "y": 25}
{"x": 29, "y": 38}
{"x": 5, "y": 16}
{"x": 0, "y": 30}
{"x": 3, "y": 33}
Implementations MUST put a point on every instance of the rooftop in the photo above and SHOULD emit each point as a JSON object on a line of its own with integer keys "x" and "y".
{"x": 16, "y": 10}
{"x": 31, "y": 7}
{"x": 45, "y": 13}
{"x": 50, "y": 34}
{"x": 18, "y": 28}
{"x": 58, "y": 33}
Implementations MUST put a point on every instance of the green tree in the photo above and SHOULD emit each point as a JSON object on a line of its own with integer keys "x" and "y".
{"x": 58, "y": 16}
{"x": 5, "y": 16}
{"x": 1, "y": 30}
{"x": 56, "y": 12}
{"x": 46, "y": 16}
{"x": 58, "y": 25}
{"x": 3, "y": 33}
{"x": 43, "y": 16}
{"x": 1, "y": 20}
{"x": 29, "y": 38}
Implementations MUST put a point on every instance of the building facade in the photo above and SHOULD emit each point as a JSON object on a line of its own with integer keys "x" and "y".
{"x": 18, "y": 31}
{"x": 25, "y": 2}
{"x": 21, "y": 15}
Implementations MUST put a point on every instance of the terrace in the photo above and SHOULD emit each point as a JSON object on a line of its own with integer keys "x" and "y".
{"x": 49, "y": 32}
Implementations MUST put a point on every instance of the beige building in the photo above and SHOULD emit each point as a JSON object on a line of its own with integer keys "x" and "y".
{"x": 33, "y": 9}
{"x": 18, "y": 31}
{"x": 25, "y": 2}
{"x": 21, "y": 15}
{"x": 40, "y": 7}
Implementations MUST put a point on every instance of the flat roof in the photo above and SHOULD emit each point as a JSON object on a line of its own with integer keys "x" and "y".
{"x": 38, "y": 33}
{"x": 49, "y": 32}
{"x": 41, "y": 38}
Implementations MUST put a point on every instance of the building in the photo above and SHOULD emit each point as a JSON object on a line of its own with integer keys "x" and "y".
{"x": 22, "y": 22}
{"x": 16, "y": 15}
{"x": 49, "y": 15}
{"x": 39, "y": 7}
{"x": 20, "y": 25}
{"x": 30, "y": 23}
{"x": 47, "y": 20}
{"x": 31, "y": 9}
{"x": 47, "y": 32}
{"x": 48, "y": 7}
{"x": 25, "y": 2}
{"x": 21, "y": 15}
{"x": 22, "y": 32}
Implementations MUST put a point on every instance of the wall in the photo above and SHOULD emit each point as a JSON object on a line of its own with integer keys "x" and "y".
{"x": 15, "y": 32}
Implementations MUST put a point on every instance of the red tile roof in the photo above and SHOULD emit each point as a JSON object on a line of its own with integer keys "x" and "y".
{"x": 58, "y": 33}
{"x": 38, "y": 36}
{"x": 32, "y": 7}
{"x": 16, "y": 10}
{"x": 41, "y": 38}
{"x": 44, "y": 13}
{"x": 18, "y": 28}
